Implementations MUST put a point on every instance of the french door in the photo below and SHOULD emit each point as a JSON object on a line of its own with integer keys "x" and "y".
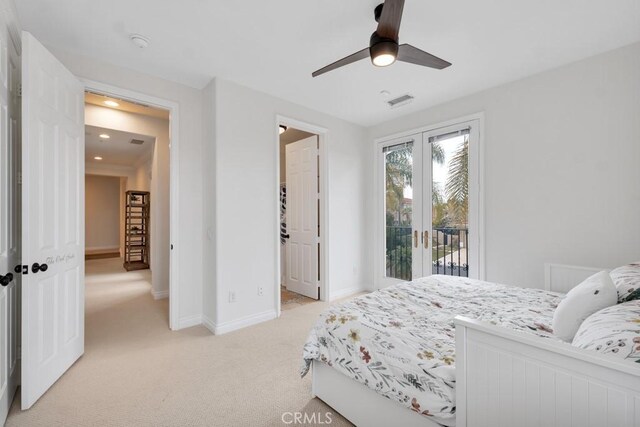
{"x": 429, "y": 190}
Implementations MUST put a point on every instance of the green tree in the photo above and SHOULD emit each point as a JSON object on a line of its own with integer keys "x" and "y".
{"x": 457, "y": 186}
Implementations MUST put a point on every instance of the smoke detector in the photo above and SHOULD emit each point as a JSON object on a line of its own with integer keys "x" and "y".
{"x": 139, "y": 40}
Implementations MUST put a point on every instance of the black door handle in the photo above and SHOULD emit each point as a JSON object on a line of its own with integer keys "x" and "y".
{"x": 39, "y": 267}
{"x": 5, "y": 280}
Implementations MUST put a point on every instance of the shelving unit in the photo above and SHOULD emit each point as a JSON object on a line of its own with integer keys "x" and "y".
{"x": 136, "y": 232}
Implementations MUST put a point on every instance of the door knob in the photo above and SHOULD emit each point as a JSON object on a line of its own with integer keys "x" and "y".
{"x": 5, "y": 280}
{"x": 39, "y": 267}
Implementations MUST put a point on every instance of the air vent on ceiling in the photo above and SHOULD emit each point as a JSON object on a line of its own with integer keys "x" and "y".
{"x": 400, "y": 101}
{"x": 137, "y": 141}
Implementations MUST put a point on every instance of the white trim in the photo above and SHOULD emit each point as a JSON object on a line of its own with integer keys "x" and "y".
{"x": 101, "y": 249}
{"x": 209, "y": 324}
{"x": 344, "y": 293}
{"x": 243, "y": 322}
{"x": 160, "y": 294}
{"x": 474, "y": 151}
{"x": 189, "y": 321}
{"x": 174, "y": 163}
{"x": 323, "y": 141}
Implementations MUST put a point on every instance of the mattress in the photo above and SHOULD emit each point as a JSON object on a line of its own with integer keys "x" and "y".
{"x": 400, "y": 341}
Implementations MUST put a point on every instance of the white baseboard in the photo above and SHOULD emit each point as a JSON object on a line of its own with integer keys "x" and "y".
{"x": 209, "y": 324}
{"x": 343, "y": 293}
{"x": 187, "y": 322}
{"x": 101, "y": 250}
{"x": 243, "y": 322}
{"x": 160, "y": 294}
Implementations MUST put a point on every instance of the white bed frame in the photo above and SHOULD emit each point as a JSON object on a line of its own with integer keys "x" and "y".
{"x": 506, "y": 378}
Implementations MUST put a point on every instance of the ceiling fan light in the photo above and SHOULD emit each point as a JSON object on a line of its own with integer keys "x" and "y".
{"x": 384, "y": 60}
{"x": 384, "y": 52}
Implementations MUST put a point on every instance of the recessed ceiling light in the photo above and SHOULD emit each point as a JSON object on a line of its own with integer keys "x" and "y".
{"x": 104, "y": 136}
{"x": 111, "y": 103}
{"x": 97, "y": 158}
{"x": 283, "y": 129}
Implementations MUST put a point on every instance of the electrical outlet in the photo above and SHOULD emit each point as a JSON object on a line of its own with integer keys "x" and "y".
{"x": 232, "y": 296}
{"x": 260, "y": 290}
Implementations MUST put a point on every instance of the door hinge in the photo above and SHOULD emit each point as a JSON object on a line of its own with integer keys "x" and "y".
{"x": 172, "y": 246}
{"x": 19, "y": 178}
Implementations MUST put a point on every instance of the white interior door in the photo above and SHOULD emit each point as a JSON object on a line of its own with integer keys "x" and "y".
{"x": 9, "y": 224}
{"x": 53, "y": 220}
{"x": 302, "y": 218}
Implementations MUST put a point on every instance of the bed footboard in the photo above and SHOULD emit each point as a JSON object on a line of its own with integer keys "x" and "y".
{"x": 509, "y": 378}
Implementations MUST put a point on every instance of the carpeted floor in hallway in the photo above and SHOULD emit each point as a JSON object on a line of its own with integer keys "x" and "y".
{"x": 136, "y": 372}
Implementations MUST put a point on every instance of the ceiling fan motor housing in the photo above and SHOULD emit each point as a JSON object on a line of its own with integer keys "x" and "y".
{"x": 382, "y": 46}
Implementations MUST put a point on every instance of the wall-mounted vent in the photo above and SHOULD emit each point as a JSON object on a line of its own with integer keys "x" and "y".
{"x": 400, "y": 101}
{"x": 137, "y": 141}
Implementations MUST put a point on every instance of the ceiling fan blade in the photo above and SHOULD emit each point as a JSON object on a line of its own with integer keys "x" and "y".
{"x": 364, "y": 53}
{"x": 413, "y": 55}
{"x": 389, "y": 22}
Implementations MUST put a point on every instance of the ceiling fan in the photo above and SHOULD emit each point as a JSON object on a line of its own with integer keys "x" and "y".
{"x": 384, "y": 48}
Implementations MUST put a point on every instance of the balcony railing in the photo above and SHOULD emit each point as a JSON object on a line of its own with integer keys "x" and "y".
{"x": 399, "y": 252}
{"x": 449, "y": 251}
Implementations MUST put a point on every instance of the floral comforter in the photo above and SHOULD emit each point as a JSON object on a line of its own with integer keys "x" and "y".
{"x": 400, "y": 341}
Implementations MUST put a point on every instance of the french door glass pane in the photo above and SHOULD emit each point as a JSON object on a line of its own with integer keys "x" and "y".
{"x": 450, "y": 203}
{"x": 398, "y": 168}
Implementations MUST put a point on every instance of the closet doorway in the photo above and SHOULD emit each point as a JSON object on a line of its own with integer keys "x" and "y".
{"x": 300, "y": 206}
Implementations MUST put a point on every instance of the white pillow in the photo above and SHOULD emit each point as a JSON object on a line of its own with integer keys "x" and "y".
{"x": 594, "y": 294}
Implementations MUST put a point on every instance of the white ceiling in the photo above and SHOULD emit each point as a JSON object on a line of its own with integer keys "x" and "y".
{"x": 273, "y": 46}
{"x": 117, "y": 150}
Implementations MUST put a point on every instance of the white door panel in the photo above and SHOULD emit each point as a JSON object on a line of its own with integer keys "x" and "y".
{"x": 53, "y": 222}
{"x": 9, "y": 223}
{"x": 302, "y": 217}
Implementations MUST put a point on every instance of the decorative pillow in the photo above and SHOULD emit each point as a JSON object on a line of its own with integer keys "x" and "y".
{"x": 614, "y": 330}
{"x": 594, "y": 294}
{"x": 627, "y": 281}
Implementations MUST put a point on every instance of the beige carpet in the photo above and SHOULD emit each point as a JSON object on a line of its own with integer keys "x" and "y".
{"x": 135, "y": 372}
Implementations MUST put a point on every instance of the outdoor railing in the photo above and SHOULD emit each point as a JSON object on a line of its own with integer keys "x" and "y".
{"x": 399, "y": 252}
{"x": 449, "y": 250}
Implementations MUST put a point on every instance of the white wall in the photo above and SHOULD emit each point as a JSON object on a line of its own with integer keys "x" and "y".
{"x": 189, "y": 238}
{"x": 562, "y": 175}
{"x": 102, "y": 213}
{"x": 244, "y": 162}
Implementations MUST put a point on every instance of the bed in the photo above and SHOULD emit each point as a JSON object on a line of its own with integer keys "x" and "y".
{"x": 391, "y": 356}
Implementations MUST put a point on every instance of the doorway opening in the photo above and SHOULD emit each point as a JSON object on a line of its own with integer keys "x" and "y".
{"x": 301, "y": 204}
{"x": 127, "y": 218}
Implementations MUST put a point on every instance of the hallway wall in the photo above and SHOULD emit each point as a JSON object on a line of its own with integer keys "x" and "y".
{"x": 102, "y": 214}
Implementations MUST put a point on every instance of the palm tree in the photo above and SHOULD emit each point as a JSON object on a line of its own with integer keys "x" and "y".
{"x": 457, "y": 185}
{"x": 398, "y": 175}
